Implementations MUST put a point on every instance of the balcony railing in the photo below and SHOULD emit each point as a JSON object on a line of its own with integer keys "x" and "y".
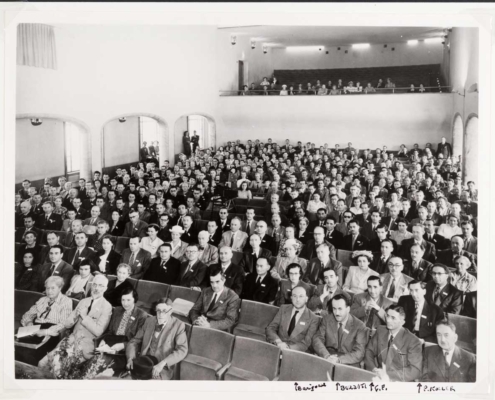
{"x": 342, "y": 92}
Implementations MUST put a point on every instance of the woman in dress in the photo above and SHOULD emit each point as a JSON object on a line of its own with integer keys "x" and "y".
{"x": 244, "y": 192}
{"x": 152, "y": 242}
{"x": 80, "y": 284}
{"x": 117, "y": 286}
{"x": 106, "y": 259}
{"x": 26, "y": 273}
{"x": 186, "y": 142}
{"x": 126, "y": 320}
{"x": 58, "y": 209}
{"x": 357, "y": 277}
{"x": 117, "y": 226}
{"x": 356, "y": 206}
{"x": 290, "y": 233}
{"x": 451, "y": 228}
{"x": 303, "y": 235}
{"x": 278, "y": 271}
{"x": 315, "y": 204}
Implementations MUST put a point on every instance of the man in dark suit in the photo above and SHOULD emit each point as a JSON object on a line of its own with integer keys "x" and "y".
{"x": 370, "y": 306}
{"x": 341, "y": 337}
{"x": 144, "y": 153}
{"x": 332, "y": 235}
{"x": 192, "y": 271}
{"x": 223, "y": 220}
{"x": 470, "y": 242}
{"x": 144, "y": 215}
{"x": 218, "y": 306}
{"x": 314, "y": 270}
{"x": 447, "y": 362}
{"x": 52, "y": 239}
{"x": 165, "y": 268}
{"x": 418, "y": 268}
{"x": 444, "y": 148}
{"x": 214, "y": 232}
{"x": 421, "y": 316}
{"x": 309, "y": 249}
{"x": 469, "y": 308}
{"x": 25, "y": 211}
{"x": 321, "y": 216}
{"x": 76, "y": 255}
{"x": 135, "y": 227}
{"x": 90, "y": 202}
{"x": 55, "y": 267}
{"x": 368, "y": 228}
{"x": 447, "y": 257}
{"x": 81, "y": 213}
{"x": 137, "y": 258}
{"x": 380, "y": 260}
{"x": 49, "y": 221}
{"x": 294, "y": 325}
{"x": 234, "y": 274}
{"x": 190, "y": 234}
{"x": 381, "y": 232}
{"x": 164, "y": 225}
{"x": 440, "y": 242}
{"x": 394, "y": 353}
{"x": 391, "y": 220}
{"x": 326, "y": 292}
{"x": 440, "y": 292}
{"x": 249, "y": 257}
{"x": 354, "y": 241}
{"x": 249, "y": 225}
{"x": 260, "y": 286}
{"x": 418, "y": 231}
{"x": 28, "y": 227}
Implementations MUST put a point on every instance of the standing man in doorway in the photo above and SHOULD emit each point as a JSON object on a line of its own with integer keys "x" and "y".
{"x": 195, "y": 142}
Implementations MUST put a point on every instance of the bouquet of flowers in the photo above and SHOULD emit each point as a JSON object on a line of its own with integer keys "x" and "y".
{"x": 65, "y": 360}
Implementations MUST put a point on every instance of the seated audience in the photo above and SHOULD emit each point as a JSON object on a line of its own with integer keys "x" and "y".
{"x": 135, "y": 227}
{"x": 152, "y": 242}
{"x": 107, "y": 259}
{"x": 440, "y": 292}
{"x": 451, "y": 228}
{"x": 164, "y": 268}
{"x": 325, "y": 292}
{"x": 314, "y": 270}
{"x": 55, "y": 267}
{"x": 234, "y": 274}
{"x": 418, "y": 268}
{"x": 462, "y": 279}
{"x": 208, "y": 254}
{"x": 253, "y": 253}
{"x": 395, "y": 282}
{"x": 354, "y": 240}
{"x": 281, "y": 263}
{"x": 178, "y": 245}
{"x": 136, "y": 257}
{"x": 309, "y": 249}
{"x": 117, "y": 286}
{"x": 31, "y": 245}
{"x": 341, "y": 337}
{"x": 27, "y": 273}
{"x": 418, "y": 231}
{"x": 356, "y": 280}
{"x": 218, "y": 306}
{"x": 401, "y": 233}
{"x": 234, "y": 238}
{"x": 74, "y": 256}
{"x": 294, "y": 325}
{"x": 447, "y": 257}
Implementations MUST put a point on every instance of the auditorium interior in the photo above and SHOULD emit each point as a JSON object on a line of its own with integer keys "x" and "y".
{"x": 88, "y": 98}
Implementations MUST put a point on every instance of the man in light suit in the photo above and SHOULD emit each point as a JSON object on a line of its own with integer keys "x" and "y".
{"x": 55, "y": 267}
{"x": 318, "y": 303}
{"x": 89, "y": 320}
{"x": 395, "y": 282}
{"x": 440, "y": 292}
{"x": 163, "y": 339}
{"x": 192, "y": 271}
{"x": 309, "y": 249}
{"x": 75, "y": 255}
{"x": 421, "y": 315}
{"x": 314, "y": 270}
{"x": 234, "y": 238}
{"x": 218, "y": 306}
{"x": 394, "y": 353}
{"x": 135, "y": 227}
{"x": 370, "y": 306}
{"x": 208, "y": 254}
{"x": 294, "y": 325}
{"x": 341, "y": 337}
{"x": 249, "y": 225}
{"x": 260, "y": 286}
{"x": 447, "y": 362}
{"x": 138, "y": 258}
{"x": 249, "y": 258}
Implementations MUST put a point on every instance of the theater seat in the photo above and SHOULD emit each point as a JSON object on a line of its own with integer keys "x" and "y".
{"x": 121, "y": 243}
{"x": 133, "y": 282}
{"x": 179, "y": 292}
{"x": 346, "y": 373}
{"x": 149, "y": 293}
{"x": 303, "y": 367}
{"x": 23, "y": 301}
{"x": 200, "y": 225}
{"x": 466, "y": 331}
{"x": 253, "y": 361}
{"x": 209, "y": 351}
{"x": 17, "y": 247}
{"x": 254, "y": 318}
{"x": 257, "y": 203}
{"x": 188, "y": 326}
{"x": 345, "y": 257}
{"x": 236, "y": 257}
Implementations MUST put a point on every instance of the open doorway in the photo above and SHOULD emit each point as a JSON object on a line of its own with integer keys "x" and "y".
{"x": 195, "y": 124}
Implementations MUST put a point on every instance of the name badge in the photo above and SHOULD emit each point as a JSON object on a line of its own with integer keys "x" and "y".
{"x": 263, "y": 285}
{"x": 133, "y": 318}
{"x": 302, "y": 323}
{"x": 457, "y": 365}
{"x": 81, "y": 258}
{"x": 56, "y": 272}
{"x": 191, "y": 270}
{"x": 423, "y": 316}
{"x": 395, "y": 347}
{"x": 445, "y": 294}
{"x": 346, "y": 331}
{"x": 221, "y": 302}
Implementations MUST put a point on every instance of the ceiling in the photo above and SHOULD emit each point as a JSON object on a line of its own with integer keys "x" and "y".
{"x": 283, "y": 36}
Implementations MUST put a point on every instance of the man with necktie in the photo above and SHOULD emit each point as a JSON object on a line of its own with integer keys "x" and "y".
{"x": 325, "y": 292}
{"x": 234, "y": 274}
{"x": 214, "y": 232}
{"x": 160, "y": 344}
{"x": 341, "y": 337}
{"x": 394, "y": 353}
{"x": 165, "y": 268}
{"x": 440, "y": 292}
{"x": 314, "y": 270}
{"x": 354, "y": 241}
{"x": 75, "y": 255}
{"x": 192, "y": 271}
{"x": 294, "y": 325}
{"x": 49, "y": 221}
{"x": 55, "y": 267}
{"x": 447, "y": 362}
{"x": 218, "y": 306}
{"x": 137, "y": 258}
{"x": 208, "y": 253}
{"x": 260, "y": 286}
{"x": 234, "y": 238}
{"x": 252, "y": 254}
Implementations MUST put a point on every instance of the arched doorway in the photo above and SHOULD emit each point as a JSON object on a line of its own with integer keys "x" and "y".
{"x": 457, "y": 136}
{"x": 123, "y": 137}
{"x": 203, "y": 124}
{"x": 61, "y": 143}
{"x": 471, "y": 149}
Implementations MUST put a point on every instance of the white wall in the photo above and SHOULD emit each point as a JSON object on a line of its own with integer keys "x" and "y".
{"x": 366, "y": 121}
{"x": 121, "y": 142}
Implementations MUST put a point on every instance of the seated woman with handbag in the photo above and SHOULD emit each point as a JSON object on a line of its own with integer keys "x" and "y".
{"x": 125, "y": 323}
{"x": 80, "y": 284}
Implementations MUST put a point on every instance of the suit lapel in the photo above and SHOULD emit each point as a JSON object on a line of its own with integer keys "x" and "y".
{"x": 455, "y": 362}
{"x": 148, "y": 336}
{"x": 301, "y": 324}
{"x": 220, "y": 300}
{"x": 286, "y": 319}
{"x": 439, "y": 360}
{"x": 423, "y": 322}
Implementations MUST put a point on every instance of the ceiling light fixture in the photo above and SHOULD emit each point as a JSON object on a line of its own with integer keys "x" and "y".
{"x": 253, "y": 44}
{"x": 434, "y": 40}
{"x": 36, "y": 121}
{"x": 360, "y": 45}
{"x": 304, "y": 48}
{"x": 413, "y": 42}
{"x": 233, "y": 40}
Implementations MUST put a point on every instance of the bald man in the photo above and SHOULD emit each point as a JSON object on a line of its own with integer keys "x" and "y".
{"x": 208, "y": 254}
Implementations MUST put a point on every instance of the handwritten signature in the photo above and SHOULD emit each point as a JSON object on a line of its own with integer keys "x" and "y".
{"x": 433, "y": 388}
{"x": 310, "y": 388}
{"x": 372, "y": 387}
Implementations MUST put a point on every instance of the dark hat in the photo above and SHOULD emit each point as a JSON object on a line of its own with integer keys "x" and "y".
{"x": 142, "y": 367}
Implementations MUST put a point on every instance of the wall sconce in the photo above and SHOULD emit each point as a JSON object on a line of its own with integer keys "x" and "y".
{"x": 253, "y": 44}
{"x": 473, "y": 88}
{"x": 233, "y": 40}
{"x": 265, "y": 49}
{"x": 36, "y": 121}
{"x": 122, "y": 119}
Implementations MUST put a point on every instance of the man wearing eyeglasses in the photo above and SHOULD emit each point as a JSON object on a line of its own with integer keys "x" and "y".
{"x": 354, "y": 240}
{"x": 395, "y": 282}
{"x": 223, "y": 221}
{"x": 192, "y": 271}
{"x": 440, "y": 292}
{"x": 161, "y": 342}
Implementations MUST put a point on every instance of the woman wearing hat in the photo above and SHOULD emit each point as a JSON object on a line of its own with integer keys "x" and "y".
{"x": 178, "y": 246}
{"x": 158, "y": 346}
